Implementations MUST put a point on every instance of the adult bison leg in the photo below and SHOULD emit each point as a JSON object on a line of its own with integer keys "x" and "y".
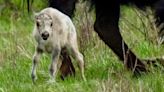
{"x": 65, "y": 6}
{"x": 106, "y": 26}
{"x": 67, "y": 67}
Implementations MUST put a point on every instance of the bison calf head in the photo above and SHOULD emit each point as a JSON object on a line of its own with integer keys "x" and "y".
{"x": 44, "y": 25}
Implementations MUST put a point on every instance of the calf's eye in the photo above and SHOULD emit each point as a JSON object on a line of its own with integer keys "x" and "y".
{"x": 51, "y": 24}
{"x": 37, "y": 24}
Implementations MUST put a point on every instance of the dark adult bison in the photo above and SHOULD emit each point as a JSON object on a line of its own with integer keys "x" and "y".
{"x": 107, "y": 27}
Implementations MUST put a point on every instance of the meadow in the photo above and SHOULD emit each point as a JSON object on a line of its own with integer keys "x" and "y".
{"x": 104, "y": 71}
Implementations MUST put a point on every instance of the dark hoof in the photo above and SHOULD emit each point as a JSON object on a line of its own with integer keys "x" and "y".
{"x": 33, "y": 78}
{"x": 155, "y": 61}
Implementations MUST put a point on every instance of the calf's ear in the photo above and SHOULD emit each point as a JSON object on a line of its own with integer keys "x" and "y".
{"x": 35, "y": 15}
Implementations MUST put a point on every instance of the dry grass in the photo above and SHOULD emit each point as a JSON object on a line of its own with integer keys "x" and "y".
{"x": 104, "y": 72}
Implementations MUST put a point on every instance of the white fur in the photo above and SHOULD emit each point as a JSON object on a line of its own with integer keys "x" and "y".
{"x": 62, "y": 34}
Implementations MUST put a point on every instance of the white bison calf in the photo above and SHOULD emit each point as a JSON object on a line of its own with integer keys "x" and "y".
{"x": 53, "y": 31}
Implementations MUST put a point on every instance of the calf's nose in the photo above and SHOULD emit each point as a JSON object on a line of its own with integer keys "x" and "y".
{"x": 45, "y": 35}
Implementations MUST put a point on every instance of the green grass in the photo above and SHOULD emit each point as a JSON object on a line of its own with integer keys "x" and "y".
{"x": 104, "y": 72}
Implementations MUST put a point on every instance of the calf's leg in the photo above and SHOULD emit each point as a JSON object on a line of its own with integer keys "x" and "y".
{"x": 35, "y": 60}
{"x": 54, "y": 63}
{"x": 78, "y": 56}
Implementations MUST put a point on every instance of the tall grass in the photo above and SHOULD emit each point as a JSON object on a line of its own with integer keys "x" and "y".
{"x": 104, "y": 72}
